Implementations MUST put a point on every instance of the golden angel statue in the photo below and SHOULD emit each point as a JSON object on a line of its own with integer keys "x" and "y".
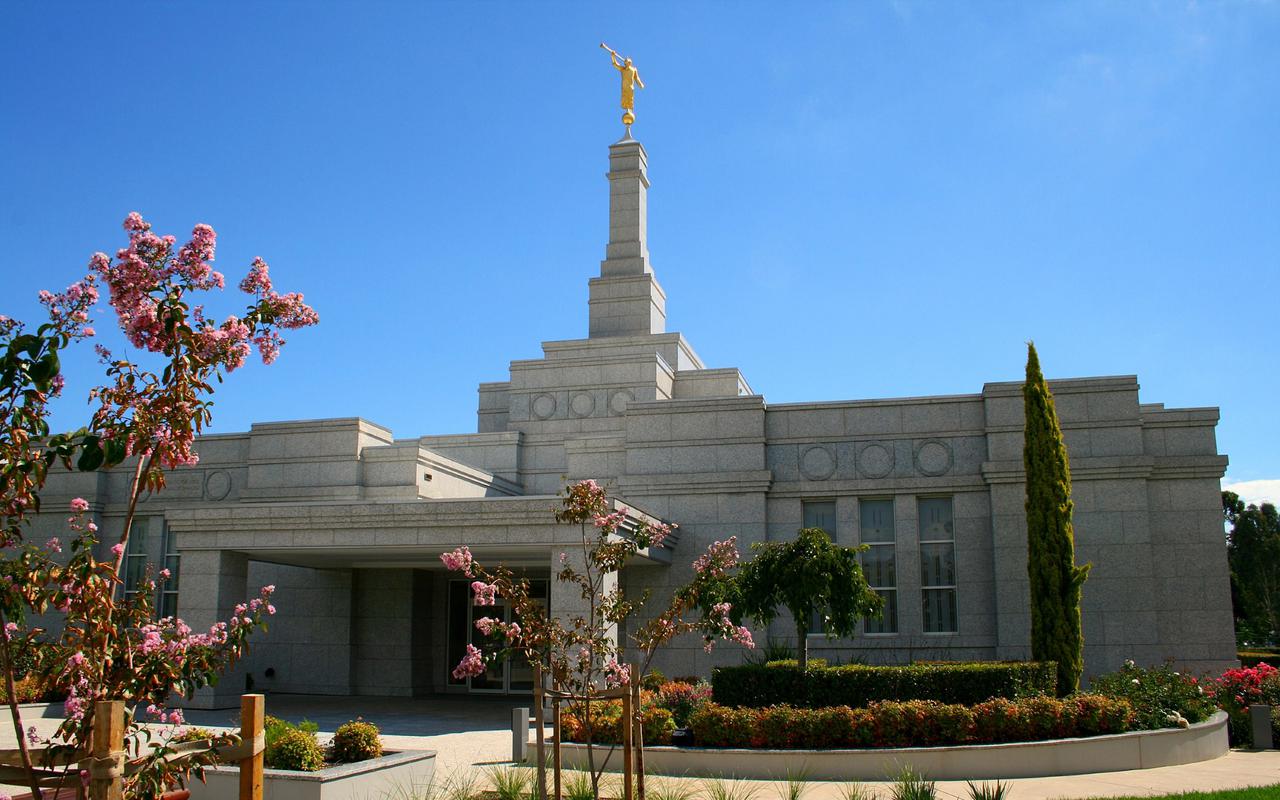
{"x": 630, "y": 79}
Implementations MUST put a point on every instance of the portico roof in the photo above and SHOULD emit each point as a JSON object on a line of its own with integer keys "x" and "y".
{"x": 515, "y": 530}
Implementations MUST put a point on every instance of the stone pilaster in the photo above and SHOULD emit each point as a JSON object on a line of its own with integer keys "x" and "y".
{"x": 626, "y": 299}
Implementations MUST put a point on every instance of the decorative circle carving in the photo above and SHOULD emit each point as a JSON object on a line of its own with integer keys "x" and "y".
{"x": 875, "y": 461}
{"x": 618, "y": 402}
{"x": 218, "y": 485}
{"x": 933, "y": 457}
{"x": 582, "y": 404}
{"x": 544, "y": 406}
{"x": 818, "y": 463}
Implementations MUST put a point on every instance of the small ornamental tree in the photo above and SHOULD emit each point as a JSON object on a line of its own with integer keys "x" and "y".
{"x": 580, "y": 653}
{"x": 1055, "y": 580}
{"x": 808, "y": 575}
{"x": 111, "y": 647}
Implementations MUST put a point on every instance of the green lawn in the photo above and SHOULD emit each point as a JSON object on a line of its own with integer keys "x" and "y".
{"x": 1271, "y": 792}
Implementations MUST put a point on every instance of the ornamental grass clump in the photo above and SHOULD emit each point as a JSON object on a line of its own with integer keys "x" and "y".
{"x": 356, "y": 741}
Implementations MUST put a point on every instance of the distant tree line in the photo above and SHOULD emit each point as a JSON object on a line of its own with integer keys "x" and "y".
{"x": 1253, "y": 553}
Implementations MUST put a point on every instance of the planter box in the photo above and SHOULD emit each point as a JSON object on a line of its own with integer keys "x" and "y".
{"x": 1113, "y": 753}
{"x": 362, "y": 780}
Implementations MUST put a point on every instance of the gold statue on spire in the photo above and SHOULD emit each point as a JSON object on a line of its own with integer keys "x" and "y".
{"x": 630, "y": 79}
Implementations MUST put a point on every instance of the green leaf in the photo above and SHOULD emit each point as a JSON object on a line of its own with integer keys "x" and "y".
{"x": 91, "y": 457}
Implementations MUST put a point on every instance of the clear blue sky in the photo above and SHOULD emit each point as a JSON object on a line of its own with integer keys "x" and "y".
{"x": 861, "y": 200}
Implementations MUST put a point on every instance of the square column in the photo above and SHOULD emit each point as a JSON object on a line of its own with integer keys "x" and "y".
{"x": 213, "y": 582}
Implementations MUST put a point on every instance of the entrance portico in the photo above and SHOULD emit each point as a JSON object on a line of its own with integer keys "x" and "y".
{"x": 364, "y": 603}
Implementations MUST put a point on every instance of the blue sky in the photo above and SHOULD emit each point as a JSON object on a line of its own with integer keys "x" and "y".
{"x": 849, "y": 201}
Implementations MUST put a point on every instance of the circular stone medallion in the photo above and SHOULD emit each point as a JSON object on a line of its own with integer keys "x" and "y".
{"x": 933, "y": 458}
{"x": 618, "y": 402}
{"x": 544, "y": 405}
{"x": 875, "y": 461}
{"x": 218, "y": 485}
{"x": 582, "y": 405}
{"x": 818, "y": 463}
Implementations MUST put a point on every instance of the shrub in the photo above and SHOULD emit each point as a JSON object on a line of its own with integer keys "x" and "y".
{"x": 652, "y": 680}
{"x": 914, "y": 723}
{"x": 606, "y": 722}
{"x": 782, "y": 683}
{"x": 1238, "y": 689}
{"x": 1159, "y": 695}
{"x": 682, "y": 699}
{"x": 295, "y": 749}
{"x": 356, "y": 741}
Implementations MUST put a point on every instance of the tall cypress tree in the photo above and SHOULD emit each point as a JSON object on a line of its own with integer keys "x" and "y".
{"x": 1051, "y": 558}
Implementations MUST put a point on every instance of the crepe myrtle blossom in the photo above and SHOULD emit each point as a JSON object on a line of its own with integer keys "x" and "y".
{"x": 486, "y": 594}
{"x": 616, "y": 674}
{"x": 471, "y": 665}
{"x": 458, "y": 560}
{"x": 719, "y": 558}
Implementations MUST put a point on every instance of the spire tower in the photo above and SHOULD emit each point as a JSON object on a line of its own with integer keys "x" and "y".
{"x": 626, "y": 299}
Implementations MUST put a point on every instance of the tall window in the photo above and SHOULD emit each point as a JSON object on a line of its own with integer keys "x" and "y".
{"x": 938, "y": 565}
{"x": 820, "y": 514}
{"x": 879, "y": 561}
{"x": 135, "y": 556}
{"x": 167, "y": 603}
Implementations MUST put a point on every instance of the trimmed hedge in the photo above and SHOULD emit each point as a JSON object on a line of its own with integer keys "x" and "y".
{"x": 916, "y": 723}
{"x": 856, "y": 685}
{"x": 606, "y": 722}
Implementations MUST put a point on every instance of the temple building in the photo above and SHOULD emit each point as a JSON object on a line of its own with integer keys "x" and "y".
{"x": 348, "y": 521}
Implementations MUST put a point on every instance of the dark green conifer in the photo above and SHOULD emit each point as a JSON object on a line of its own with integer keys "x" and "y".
{"x": 1051, "y": 559}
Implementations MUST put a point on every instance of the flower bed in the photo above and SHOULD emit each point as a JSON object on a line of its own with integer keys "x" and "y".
{"x": 782, "y": 682}
{"x": 1108, "y": 753}
{"x": 910, "y": 724}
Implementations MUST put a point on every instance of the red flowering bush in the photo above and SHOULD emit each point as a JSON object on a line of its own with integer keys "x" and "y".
{"x": 682, "y": 699}
{"x": 1238, "y": 689}
{"x": 915, "y": 723}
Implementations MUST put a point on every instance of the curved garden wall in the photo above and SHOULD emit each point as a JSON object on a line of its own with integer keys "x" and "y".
{"x": 1123, "y": 751}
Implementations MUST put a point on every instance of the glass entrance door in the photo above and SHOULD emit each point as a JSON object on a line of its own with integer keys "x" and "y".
{"x": 512, "y": 675}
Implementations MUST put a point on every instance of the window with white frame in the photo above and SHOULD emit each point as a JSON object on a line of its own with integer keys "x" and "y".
{"x": 820, "y": 514}
{"x": 135, "y": 557}
{"x": 937, "y": 565}
{"x": 879, "y": 560}
{"x": 167, "y": 602}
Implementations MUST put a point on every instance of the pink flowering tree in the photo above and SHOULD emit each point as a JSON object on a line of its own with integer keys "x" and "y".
{"x": 111, "y": 647}
{"x": 581, "y": 652}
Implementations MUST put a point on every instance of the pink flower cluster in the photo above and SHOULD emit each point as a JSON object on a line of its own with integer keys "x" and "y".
{"x": 458, "y": 561}
{"x": 71, "y": 307}
{"x": 471, "y": 665}
{"x": 227, "y": 344}
{"x": 719, "y": 558}
{"x": 724, "y": 627}
{"x": 616, "y": 674}
{"x": 486, "y": 593}
{"x": 489, "y": 626}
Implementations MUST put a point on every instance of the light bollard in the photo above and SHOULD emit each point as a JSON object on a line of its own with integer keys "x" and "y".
{"x": 1260, "y": 722}
{"x": 519, "y": 734}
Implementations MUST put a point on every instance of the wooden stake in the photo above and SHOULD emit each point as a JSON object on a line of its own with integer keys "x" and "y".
{"x": 639, "y": 734}
{"x": 106, "y": 767}
{"x": 628, "y": 759}
{"x": 251, "y": 711}
{"x": 555, "y": 732}
{"x": 539, "y": 733}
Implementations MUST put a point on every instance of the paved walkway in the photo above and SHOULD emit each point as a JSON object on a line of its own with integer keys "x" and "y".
{"x": 473, "y": 734}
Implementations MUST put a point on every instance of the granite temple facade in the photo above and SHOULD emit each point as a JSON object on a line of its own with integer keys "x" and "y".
{"x": 348, "y": 521}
